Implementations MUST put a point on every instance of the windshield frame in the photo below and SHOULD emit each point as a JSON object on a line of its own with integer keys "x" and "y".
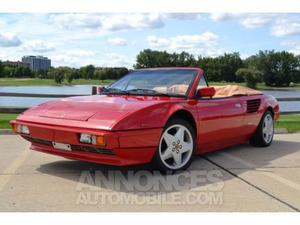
{"x": 127, "y": 92}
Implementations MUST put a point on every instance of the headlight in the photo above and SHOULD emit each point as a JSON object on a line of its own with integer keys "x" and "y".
{"x": 20, "y": 128}
{"x": 92, "y": 139}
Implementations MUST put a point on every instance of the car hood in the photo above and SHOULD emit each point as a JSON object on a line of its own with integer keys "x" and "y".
{"x": 101, "y": 111}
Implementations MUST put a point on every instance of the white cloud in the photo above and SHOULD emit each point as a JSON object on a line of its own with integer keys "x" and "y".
{"x": 279, "y": 24}
{"x": 2, "y": 23}
{"x": 284, "y": 27}
{"x": 184, "y": 16}
{"x": 110, "y": 22}
{"x": 204, "y": 44}
{"x": 247, "y": 20}
{"x": 117, "y": 60}
{"x": 219, "y": 17}
{"x": 37, "y": 46}
{"x": 255, "y": 21}
{"x": 293, "y": 46}
{"x": 80, "y": 53}
{"x": 117, "y": 41}
{"x": 9, "y": 40}
{"x": 76, "y": 20}
{"x": 131, "y": 21}
{"x": 78, "y": 58}
{"x": 73, "y": 58}
{"x": 183, "y": 41}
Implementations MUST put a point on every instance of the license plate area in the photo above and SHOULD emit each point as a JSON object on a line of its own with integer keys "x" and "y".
{"x": 62, "y": 146}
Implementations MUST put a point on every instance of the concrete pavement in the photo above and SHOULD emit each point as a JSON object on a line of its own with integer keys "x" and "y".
{"x": 242, "y": 178}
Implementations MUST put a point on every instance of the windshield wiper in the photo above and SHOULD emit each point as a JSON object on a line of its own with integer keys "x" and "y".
{"x": 137, "y": 91}
{"x": 113, "y": 91}
{"x": 146, "y": 91}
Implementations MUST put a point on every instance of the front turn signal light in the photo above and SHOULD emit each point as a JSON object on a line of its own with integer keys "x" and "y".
{"x": 100, "y": 140}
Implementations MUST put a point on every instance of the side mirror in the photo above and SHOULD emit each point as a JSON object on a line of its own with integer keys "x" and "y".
{"x": 101, "y": 89}
{"x": 206, "y": 92}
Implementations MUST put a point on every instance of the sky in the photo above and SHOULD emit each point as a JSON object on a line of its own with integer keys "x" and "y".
{"x": 72, "y": 39}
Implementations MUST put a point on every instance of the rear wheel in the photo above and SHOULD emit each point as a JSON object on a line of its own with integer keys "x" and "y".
{"x": 265, "y": 131}
{"x": 176, "y": 147}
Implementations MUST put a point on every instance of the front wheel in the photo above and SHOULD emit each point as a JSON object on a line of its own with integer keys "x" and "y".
{"x": 265, "y": 131}
{"x": 176, "y": 146}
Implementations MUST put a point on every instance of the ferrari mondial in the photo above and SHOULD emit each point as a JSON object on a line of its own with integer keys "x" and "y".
{"x": 165, "y": 116}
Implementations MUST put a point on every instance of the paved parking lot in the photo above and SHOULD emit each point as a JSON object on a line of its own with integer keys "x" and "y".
{"x": 241, "y": 178}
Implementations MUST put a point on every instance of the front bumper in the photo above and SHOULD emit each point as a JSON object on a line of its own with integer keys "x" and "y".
{"x": 122, "y": 147}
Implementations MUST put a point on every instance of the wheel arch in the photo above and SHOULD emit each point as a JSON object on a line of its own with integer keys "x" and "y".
{"x": 186, "y": 115}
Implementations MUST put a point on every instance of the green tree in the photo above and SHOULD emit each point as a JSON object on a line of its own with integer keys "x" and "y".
{"x": 100, "y": 74}
{"x": 229, "y": 64}
{"x": 211, "y": 67}
{"x": 251, "y": 76}
{"x": 69, "y": 75}
{"x": 150, "y": 58}
{"x": 40, "y": 73}
{"x": 75, "y": 73}
{"x": 8, "y": 71}
{"x": 60, "y": 73}
{"x": 278, "y": 68}
{"x": 1, "y": 69}
{"x": 87, "y": 72}
{"x": 296, "y": 75}
{"x": 182, "y": 59}
{"x": 58, "y": 77}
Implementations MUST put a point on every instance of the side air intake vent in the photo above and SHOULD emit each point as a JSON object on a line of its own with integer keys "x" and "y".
{"x": 253, "y": 105}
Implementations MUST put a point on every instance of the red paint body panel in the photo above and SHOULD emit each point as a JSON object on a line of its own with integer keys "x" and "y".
{"x": 132, "y": 125}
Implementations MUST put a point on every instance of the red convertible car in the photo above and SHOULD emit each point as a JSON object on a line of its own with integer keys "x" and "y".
{"x": 160, "y": 115}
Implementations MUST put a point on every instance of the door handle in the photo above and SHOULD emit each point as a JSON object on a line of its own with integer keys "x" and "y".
{"x": 238, "y": 105}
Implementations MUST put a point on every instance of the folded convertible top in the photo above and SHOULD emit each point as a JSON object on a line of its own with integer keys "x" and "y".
{"x": 234, "y": 90}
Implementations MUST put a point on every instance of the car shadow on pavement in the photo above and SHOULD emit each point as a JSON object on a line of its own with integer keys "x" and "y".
{"x": 206, "y": 172}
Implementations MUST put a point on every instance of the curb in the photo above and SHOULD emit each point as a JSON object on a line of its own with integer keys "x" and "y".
{"x": 6, "y": 131}
{"x": 281, "y": 131}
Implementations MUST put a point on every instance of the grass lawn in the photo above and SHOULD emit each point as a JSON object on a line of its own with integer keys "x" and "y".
{"x": 5, "y": 118}
{"x": 43, "y": 82}
{"x": 290, "y": 122}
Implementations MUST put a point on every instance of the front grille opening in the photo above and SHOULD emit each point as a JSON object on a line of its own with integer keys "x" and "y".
{"x": 73, "y": 147}
{"x": 253, "y": 105}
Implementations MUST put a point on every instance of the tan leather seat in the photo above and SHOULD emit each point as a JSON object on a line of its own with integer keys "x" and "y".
{"x": 178, "y": 89}
{"x": 161, "y": 89}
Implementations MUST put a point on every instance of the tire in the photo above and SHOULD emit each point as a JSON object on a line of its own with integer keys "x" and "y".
{"x": 176, "y": 147}
{"x": 264, "y": 133}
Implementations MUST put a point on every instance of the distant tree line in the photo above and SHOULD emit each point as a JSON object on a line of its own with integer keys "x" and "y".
{"x": 86, "y": 72}
{"x": 271, "y": 67}
{"x": 15, "y": 71}
{"x": 59, "y": 74}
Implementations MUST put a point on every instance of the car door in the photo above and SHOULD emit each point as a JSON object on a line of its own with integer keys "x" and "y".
{"x": 220, "y": 121}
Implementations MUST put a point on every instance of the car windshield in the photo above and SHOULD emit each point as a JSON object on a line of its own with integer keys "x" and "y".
{"x": 171, "y": 82}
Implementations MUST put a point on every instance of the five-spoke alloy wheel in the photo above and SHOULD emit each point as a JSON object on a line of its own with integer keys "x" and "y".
{"x": 176, "y": 146}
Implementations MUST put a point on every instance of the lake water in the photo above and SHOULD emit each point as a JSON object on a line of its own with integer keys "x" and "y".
{"x": 87, "y": 89}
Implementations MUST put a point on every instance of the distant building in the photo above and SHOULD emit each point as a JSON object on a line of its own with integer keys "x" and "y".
{"x": 37, "y": 62}
{"x": 15, "y": 63}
